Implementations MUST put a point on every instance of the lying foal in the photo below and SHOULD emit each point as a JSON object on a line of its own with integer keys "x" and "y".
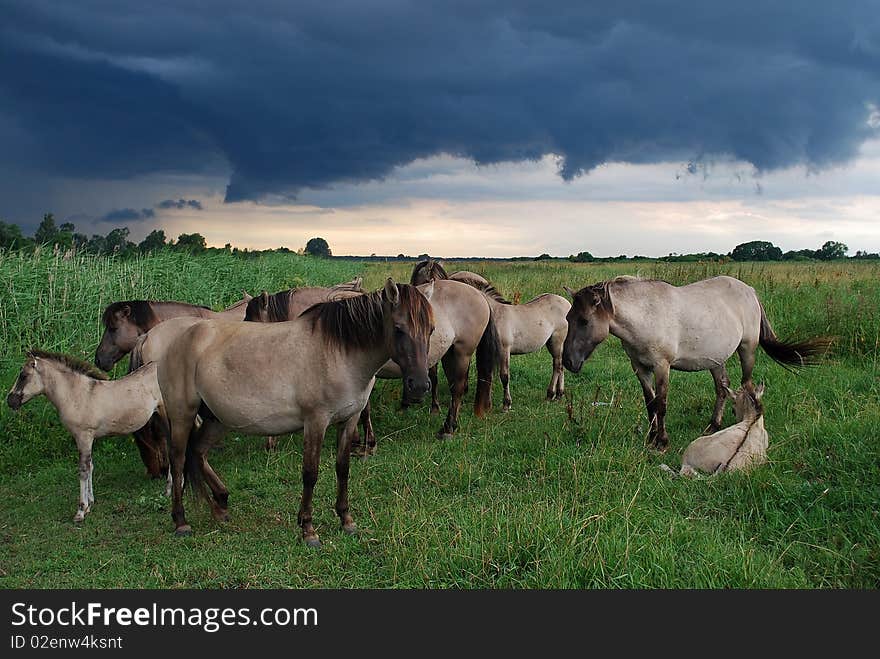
{"x": 89, "y": 405}
{"x": 740, "y": 446}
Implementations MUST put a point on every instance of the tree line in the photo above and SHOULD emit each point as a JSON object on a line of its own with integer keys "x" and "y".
{"x": 65, "y": 237}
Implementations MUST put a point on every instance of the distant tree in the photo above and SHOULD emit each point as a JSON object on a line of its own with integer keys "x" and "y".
{"x": 318, "y": 247}
{"x": 400, "y": 257}
{"x": 11, "y": 236}
{"x": 192, "y": 242}
{"x": 422, "y": 257}
{"x": 866, "y": 255}
{"x": 799, "y": 255}
{"x": 581, "y": 257}
{"x": 154, "y": 240}
{"x": 543, "y": 257}
{"x": 96, "y": 244}
{"x": 47, "y": 232}
{"x": 756, "y": 250}
{"x": 283, "y": 250}
{"x": 831, "y": 250}
{"x": 117, "y": 242}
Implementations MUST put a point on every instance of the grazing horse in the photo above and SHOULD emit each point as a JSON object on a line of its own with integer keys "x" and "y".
{"x": 125, "y": 321}
{"x": 522, "y": 328}
{"x": 737, "y": 447}
{"x": 308, "y": 373}
{"x": 425, "y": 271}
{"x": 89, "y": 405}
{"x": 696, "y": 327}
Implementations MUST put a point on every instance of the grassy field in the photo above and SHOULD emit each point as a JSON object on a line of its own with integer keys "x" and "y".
{"x": 549, "y": 495}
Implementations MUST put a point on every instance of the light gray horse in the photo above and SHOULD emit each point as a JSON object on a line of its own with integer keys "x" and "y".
{"x": 687, "y": 328}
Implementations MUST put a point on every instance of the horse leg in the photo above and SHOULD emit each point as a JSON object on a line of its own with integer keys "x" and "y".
{"x": 313, "y": 437}
{"x": 209, "y": 434}
{"x": 435, "y": 396}
{"x": 556, "y": 390}
{"x": 644, "y": 377}
{"x": 746, "y": 352}
{"x": 271, "y": 443}
{"x": 456, "y": 365}
{"x": 504, "y": 374}
{"x": 368, "y": 445}
{"x": 344, "y": 434}
{"x": 149, "y": 451}
{"x": 661, "y": 385}
{"x": 84, "y": 444}
{"x": 181, "y": 426}
{"x": 722, "y": 382}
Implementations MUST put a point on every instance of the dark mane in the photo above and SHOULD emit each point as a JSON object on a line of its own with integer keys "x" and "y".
{"x": 435, "y": 270}
{"x": 358, "y": 321}
{"x": 73, "y": 363}
{"x": 491, "y": 291}
{"x": 141, "y": 312}
{"x": 277, "y": 307}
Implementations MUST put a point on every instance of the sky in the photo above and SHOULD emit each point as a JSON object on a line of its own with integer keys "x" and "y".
{"x": 456, "y": 128}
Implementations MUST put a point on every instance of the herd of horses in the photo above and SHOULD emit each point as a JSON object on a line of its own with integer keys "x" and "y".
{"x": 308, "y": 359}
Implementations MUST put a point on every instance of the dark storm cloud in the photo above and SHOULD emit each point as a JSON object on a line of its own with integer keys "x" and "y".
{"x": 307, "y": 94}
{"x": 180, "y": 204}
{"x": 128, "y": 215}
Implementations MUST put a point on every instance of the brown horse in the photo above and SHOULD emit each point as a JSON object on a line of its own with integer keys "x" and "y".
{"x": 522, "y": 328}
{"x": 123, "y": 323}
{"x": 685, "y": 328}
{"x": 308, "y": 373}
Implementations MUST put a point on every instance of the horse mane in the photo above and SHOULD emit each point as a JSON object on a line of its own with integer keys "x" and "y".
{"x": 357, "y": 322}
{"x": 490, "y": 291}
{"x": 277, "y": 306}
{"x": 72, "y": 363}
{"x": 436, "y": 271}
{"x": 141, "y": 313}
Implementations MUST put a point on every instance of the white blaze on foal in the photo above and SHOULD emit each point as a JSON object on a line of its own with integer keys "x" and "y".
{"x": 89, "y": 405}
{"x": 740, "y": 446}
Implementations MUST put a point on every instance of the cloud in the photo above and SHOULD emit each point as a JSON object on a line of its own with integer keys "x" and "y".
{"x": 310, "y": 94}
{"x": 128, "y": 215}
{"x": 179, "y": 204}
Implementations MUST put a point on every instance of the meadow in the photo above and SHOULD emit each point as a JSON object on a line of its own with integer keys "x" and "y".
{"x": 549, "y": 495}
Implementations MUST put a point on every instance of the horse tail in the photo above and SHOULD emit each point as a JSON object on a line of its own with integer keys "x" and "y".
{"x": 792, "y": 353}
{"x": 488, "y": 359}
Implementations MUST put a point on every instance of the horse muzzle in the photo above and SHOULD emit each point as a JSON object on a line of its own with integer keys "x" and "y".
{"x": 415, "y": 389}
{"x": 572, "y": 364}
{"x": 14, "y": 400}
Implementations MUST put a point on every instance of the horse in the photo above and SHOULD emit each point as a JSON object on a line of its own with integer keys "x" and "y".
{"x": 89, "y": 405}
{"x": 522, "y": 328}
{"x": 274, "y": 378}
{"x": 737, "y": 447}
{"x": 288, "y": 304}
{"x": 428, "y": 269}
{"x": 696, "y": 327}
{"x": 125, "y": 321}
{"x": 463, "y": 324}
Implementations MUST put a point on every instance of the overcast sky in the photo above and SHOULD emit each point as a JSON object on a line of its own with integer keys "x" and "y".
{"x": 453, "y": 128}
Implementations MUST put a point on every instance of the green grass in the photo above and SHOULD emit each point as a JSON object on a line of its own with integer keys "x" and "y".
{"x": 550, "y": 495}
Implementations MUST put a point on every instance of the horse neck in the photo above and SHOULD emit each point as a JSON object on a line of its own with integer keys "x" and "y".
{"x": 59, "y": 384}
{"x": 166, "y": 310}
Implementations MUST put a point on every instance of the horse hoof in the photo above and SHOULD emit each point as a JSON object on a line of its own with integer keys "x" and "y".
{"x": 313, "y": 542}
{"x": 183, "y": 531}
{"x": 435, "y": 409}
{"x": 350, "y": 529}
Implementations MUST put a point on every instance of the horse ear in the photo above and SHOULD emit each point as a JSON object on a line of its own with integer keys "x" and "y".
{"x": 357, "y": 282}
{"x": 759, "y": 391}
{"x": 391, "y": 292}
{"x": 247, "y": 296}
{"x": 427, "y": 289}
{"x": 125, "y": 311}
{"x": 730, "y": 392}
{"x": 569, "y": 291}
{"x": 264, "y": 299}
